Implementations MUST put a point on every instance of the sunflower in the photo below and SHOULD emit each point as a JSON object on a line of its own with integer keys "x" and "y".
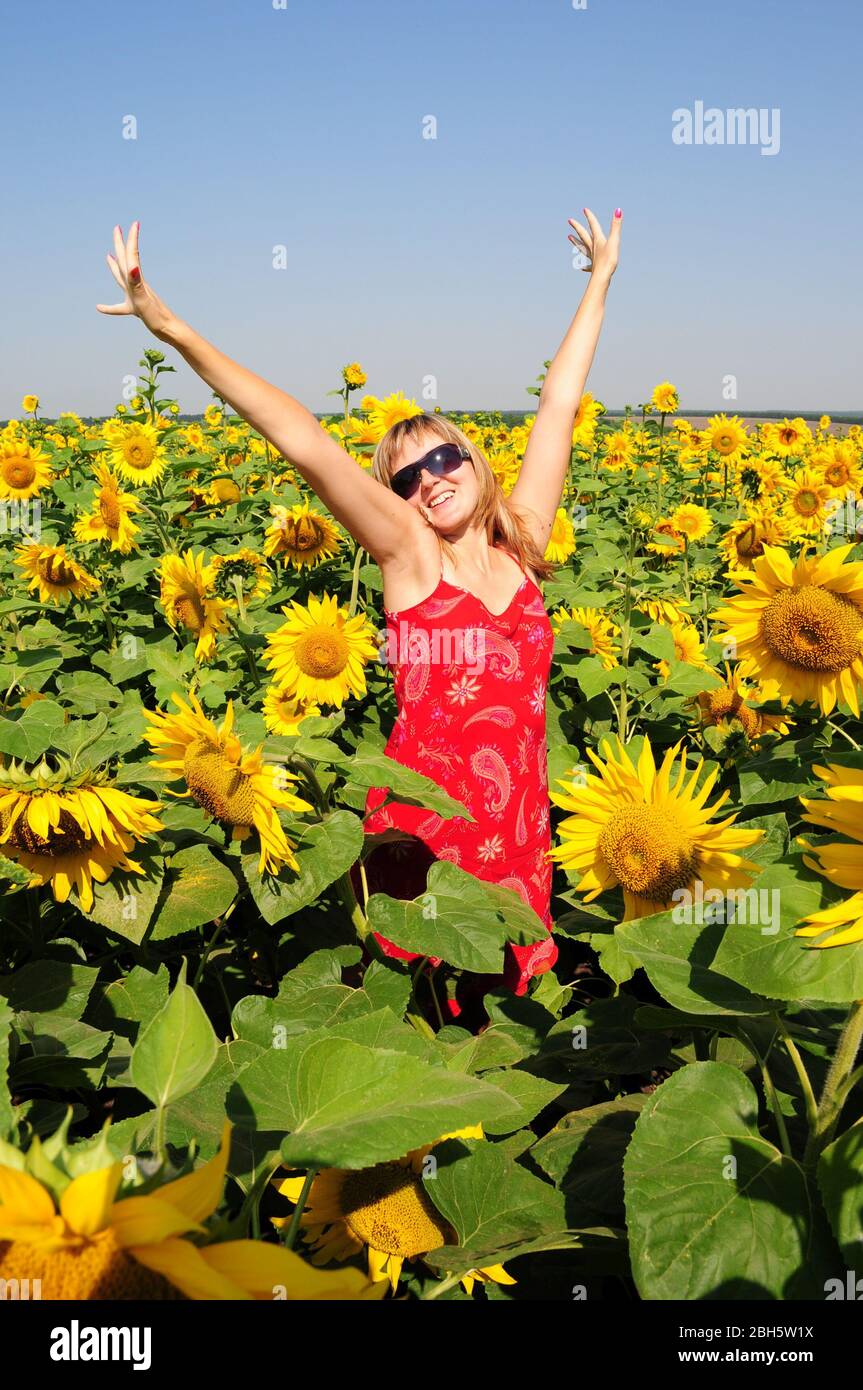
{"x": 237, "y": 788}
{"x": 662, "y": 610}
{"x": 358, "y": 431}
{"x": 241, "y": 572}
{"x": 585, "y": 422}
{"x": 135, "y": 451}
{"x": 768, "y": 476}
{"x": 688, "y": 647}
{"x": 282, "y": 713}
{"x": 301, "y": 535}
{"x": 692, "y": 521}
{"x": 57, "y": 577}
{"x": 745, "y": 540}
{"x": 384, "y": 1208}
{"x": 319, "y": 653}
{"x": 561, "y": 541}
{"x": 186, "y": 598}
{"x": 735, "y": 705}
{"x": 726, "y": 437}
{"x": 601, "y": 629}
{"x": 24, "y": 470}
{"x": 223, "y": 492}
{"x": 665, "y": 399}
{"x": 805, "y": 510}
{"x": 666, "y": 540}
{"x": 841, "y": 468}
{"x": 30, "y": 403}
{"x": 67, "y": 1224}
{"x": 787, "y": 438}
{"x": 841, "y": 863}
{"x": 801, "y": 625}
{"x": 634, "y": 828}
{"x": 110, "y": 519}
{"x": 386, "y": 413}
{"x": 616, "y": 451}
{"x": 354, "y": 376}
{"x": 71, "y": 829}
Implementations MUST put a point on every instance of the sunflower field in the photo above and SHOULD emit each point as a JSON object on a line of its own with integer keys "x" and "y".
{"x": 213, "y": 1085}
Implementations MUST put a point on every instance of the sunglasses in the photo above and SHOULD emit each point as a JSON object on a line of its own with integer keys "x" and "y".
{"x": 446, "y": 458}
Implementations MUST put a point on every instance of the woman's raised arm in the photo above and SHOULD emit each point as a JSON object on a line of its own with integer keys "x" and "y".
{"x": 382, "y": 522}
{"x": 539, "y": 485}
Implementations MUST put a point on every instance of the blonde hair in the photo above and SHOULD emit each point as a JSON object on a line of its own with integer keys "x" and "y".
{"x": 504, "y": 522}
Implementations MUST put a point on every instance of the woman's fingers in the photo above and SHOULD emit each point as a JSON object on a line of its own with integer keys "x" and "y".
{"x": 582, "y": 232}
{"x": 115, "y": 271}
{"x": 113, "y": 308}
{"x": 119, "y": 249}
{"x": 132, "y": 248}
{"x": 598, "y": 234}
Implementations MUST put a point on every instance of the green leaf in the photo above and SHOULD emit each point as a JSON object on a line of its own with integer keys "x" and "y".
{"x": 125, "y": 904}
{"x": 133, "y": 999}
{"x": 584, "y": 1155}
{"x": 327, "y": 850}
{"x": 176, "y": 1050}
{"x": 603, "y": 1039}
{"x": 778, "y": 962}
{"x": 372, "y": 768}
{"x": 531, "y": 1093}
{"x": 684, "y": 679}
{"x": 680, "y": 960}
{"x": 198, "y": 887}
{"x": 350, "y": 1106}
{"x": 658, "y": 642}
{"x": 840, "y": 1179}
{"x": 57, "y": 1050}
{"x": 7, "y": 1118}
{"x": 462, "y": 919}
{"x": 88, "y": 691}
{"x": 27, "y": 738}
{"x": 493, "y": 1204}
{"x": 715, "y": 1211}
{"x": 592, "y": 676}
{"x": 49, "y": 987}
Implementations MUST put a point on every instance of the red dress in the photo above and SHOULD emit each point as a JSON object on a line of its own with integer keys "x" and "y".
{"x": 470, "y": 690}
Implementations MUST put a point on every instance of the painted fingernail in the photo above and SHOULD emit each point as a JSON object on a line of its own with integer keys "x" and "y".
{"x": 618, "y": 212}
{"x": 135, "y": 274}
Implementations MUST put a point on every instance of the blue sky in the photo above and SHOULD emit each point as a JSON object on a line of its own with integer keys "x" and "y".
{"x": 302, "y": 127}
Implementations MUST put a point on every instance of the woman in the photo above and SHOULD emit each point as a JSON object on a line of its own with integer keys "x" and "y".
{"x": 461, "y": 566}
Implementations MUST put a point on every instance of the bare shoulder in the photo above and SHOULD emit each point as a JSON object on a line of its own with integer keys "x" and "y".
{"x": 412, "y": 574}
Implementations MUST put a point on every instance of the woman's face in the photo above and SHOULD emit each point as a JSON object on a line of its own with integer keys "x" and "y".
{"x": 447, "y": 502}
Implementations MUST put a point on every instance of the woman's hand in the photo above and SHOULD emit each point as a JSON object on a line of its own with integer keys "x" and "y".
{"x": 139, "y": 299}
{"x": 602, "y": 252}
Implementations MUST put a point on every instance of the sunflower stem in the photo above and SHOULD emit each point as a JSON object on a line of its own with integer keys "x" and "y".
{"x": 443, "y": 1286}
{"x": 241, "y": 602}
{"x": 159, "y": 1134}
{"x": 625, "y": 640}
{"x": 800, "y": 1067}
{"x": 835, "y": 1087}
{"x": 294, "y": 1227}
{"x": 247, "y": 651}
{"x": 769, "y": 1091}
{"x": 844, "y": 732}
{"x": 355, "y": 582}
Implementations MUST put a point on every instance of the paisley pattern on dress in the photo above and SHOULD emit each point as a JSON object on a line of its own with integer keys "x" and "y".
{"x": 470, "y": 692}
